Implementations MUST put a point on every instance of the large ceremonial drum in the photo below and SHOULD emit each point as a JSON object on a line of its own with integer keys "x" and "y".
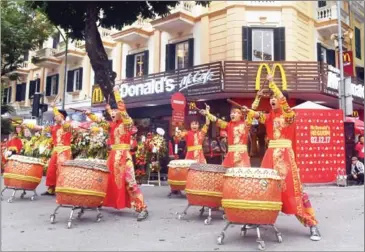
{"x": 251, "y": 195}
{"x": 204, "y": 185}
{"x": 82, "y": 182}
{"x": 23, "y": 172}
{"x": 178, "y": 173}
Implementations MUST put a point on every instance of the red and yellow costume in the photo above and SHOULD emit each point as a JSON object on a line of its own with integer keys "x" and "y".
{"x": 280, "y": 128}
{"x": 15, "y": 144}
{"x": 237, "y": 135}
{"x": 123, "y": 190}
{"x": 61, "y": 139}
{"x": 194, "y": 141}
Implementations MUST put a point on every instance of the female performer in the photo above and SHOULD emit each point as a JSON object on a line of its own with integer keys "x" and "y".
{"x": 237, "y": 134}
{"x": 194, "y": 140}
{"x": 15, "y": 144}
{"x": 280, "y": 156}
{"x": 120, "y": 162}
{"x": 61, "y": 137}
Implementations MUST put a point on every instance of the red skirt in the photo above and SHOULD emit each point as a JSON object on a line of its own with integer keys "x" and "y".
{"x": 236, "y": 159}
{"x": 197, "y": 155}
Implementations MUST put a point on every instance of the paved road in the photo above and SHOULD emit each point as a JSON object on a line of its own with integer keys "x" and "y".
{"x": 25, "y": 226}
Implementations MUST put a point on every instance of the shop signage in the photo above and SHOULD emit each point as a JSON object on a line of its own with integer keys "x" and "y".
{"x": 271, "y": 72}
{"x": 348, "y": 67}
{"x": 196, "y": 81}
{"x": 178, "y": 102}
{"x": 97, "y": 95}
{"x": 333, "y": 82}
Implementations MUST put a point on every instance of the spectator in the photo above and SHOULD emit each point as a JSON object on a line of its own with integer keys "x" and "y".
{"x": 357, "y": 171}
{"x": 360, "y": 149}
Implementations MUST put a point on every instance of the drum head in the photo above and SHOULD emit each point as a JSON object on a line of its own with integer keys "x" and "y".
{"x": 25, "y": 159}
{"x": 181, "y": 163}
{"x": 96, "y": 164}
{"x": 259, "y": 173}
{"x": 208, "y": 168}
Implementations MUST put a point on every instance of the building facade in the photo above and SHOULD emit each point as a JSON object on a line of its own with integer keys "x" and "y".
{"x": 208, "y": 53}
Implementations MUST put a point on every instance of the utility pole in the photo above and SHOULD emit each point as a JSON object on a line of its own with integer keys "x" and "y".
{"x": 65, "y": 71}
{"x": 341, "y": 88}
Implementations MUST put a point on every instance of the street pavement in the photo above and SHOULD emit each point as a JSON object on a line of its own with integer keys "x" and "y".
{"x": 26, "y": 226}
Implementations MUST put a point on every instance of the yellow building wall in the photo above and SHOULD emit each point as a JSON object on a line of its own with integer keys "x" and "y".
{"x": 357, "y": 24}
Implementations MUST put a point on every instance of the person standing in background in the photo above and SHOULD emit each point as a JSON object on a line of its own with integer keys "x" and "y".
{"x": 359, "y": 148}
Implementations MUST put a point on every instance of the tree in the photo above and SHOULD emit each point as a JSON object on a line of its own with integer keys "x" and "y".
{"x": 81, "y": 20}
{"x": 22, "y": 29}
{"x": 6, "y": 127}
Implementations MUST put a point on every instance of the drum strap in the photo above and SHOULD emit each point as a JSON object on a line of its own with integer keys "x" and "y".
{"x": 195, "y": 148}
{"x": 121, "y": 147}
{"x": 237, "y": 147}
{"x": 280, "y": 143}
{"x": 61, "y": 148}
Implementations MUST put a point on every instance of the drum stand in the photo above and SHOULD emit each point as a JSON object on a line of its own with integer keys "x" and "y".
{"x": 207, "y": 221}
{"x": 178, "y": 193}
{"x": 79, "y": 214}
{"x": 244, "y": 229}
{"x": 10, "y": 200}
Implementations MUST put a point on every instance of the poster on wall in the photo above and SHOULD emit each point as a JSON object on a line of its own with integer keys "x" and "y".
{"x": 319, "y": 145}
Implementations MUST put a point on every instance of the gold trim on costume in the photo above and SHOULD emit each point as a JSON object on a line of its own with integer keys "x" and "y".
{"x": 121, "y": 147}
{"x": 203, "y": 193}
{"x": 195, "y": 148}
{"x": 176, "y": 182}
{"x": 280, "y": 143}
{"x": 251, "y": 204}
{"x": 79, "y": 191}
{"x": 21, "y": 177}
{"x": 258, "y": 173}
{"x": 237, "y": 147}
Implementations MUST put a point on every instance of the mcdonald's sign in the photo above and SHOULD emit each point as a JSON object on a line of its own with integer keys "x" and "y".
{"x": 97, "y": 95}
{"x": 271, "y": 72}
{"x": 348, "y": 66}
{"x": 355, "y": 113}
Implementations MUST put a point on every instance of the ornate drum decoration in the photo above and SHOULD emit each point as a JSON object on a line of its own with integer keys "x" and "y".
{"x": 23, "y": 172}
{"x": 252, "y": 195}
{"x": 204, "y": 185}
{"x": 82, "y": 182}
{"x": 178, "y": 173}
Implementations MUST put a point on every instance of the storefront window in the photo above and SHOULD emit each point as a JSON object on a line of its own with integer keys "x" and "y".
{"x": 262, "y": 44}
{"x": 139, "y": 59}
{"x": 182, "y": 55}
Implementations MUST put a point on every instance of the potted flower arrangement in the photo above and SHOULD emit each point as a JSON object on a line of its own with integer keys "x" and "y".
{"x": 140, "y": 174}
{"x": 156, "y": 149}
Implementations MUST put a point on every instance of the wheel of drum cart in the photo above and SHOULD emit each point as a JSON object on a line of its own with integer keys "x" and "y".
{"x": 79, "y": 214}
{"x": 261, "y": 246}
{"x": 280, "y": 238}
{"x": 220, "y": 239}
{"x": 224, "y": 217}
{"x": 32, "y": 198}
{"x": 98, "y": 217}
{"x": 52, "y": 218}
{"x": 10, "y": 200}
{"x": 69, "y": 224}
{"x": 22, "y": 195}
{"x": 243, "y": 232}
{"x": 207, "y": 221}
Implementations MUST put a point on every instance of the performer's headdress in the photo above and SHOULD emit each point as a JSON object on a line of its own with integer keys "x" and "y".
{"x": 234, "y": 107}
{"x": 193, "y": 118}
{"x": 284, "y": 92}
{"x": 61, "y": 112}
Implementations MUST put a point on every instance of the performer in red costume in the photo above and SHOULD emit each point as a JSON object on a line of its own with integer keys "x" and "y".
{"x": 237, "y": 134}
{"x": 15, "y": 144}
{"x": 61, "y": 134}
{"x": 120, "y": 161}
{"x": 194, "y": 139}
{"x": 280, "y": 128}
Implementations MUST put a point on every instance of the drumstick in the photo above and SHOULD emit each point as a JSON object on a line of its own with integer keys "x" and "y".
{"x": 234, "y": 103}
{"x": 15, "y": 122}
{"x": 78, "y": 110}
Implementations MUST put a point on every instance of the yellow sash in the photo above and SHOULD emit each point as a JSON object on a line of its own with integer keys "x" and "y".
{"x": 237, "y": 147}
{"x": 280, "y": 143}
{"x": 121, "y": 147}
{"x": 61, "y": 148}
{"x": 195, "y": 147}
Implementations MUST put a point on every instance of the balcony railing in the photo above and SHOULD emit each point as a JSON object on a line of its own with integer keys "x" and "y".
{"x": 184, "y": 7}
{"x": 75, "y": 45}
{"x": 46, "y": 53}
{"x": 263, "y": 3}
{"x": 24, "y": 64}
{"x": 327, "y": 13}
{"x": 105, "y": 33}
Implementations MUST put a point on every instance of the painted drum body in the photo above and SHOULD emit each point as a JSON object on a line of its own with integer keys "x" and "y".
{"x": 204, "y": 185}
{"x": 82, "y": 182}
{"x": 251, "y": 195}
{"x": 23, "y": 172}
{"x": 178, "y": 173}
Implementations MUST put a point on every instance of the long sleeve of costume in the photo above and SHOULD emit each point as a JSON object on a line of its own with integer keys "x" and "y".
{"x": 204, "y": 129}
{"x": 180, "y": 136}
{"x": 256, "y": 102}
{"x": 127, "y": 120}
{"x": 220, "y": 123}
{"x": 289, "y": 114}
{"x": 102, "y": 123}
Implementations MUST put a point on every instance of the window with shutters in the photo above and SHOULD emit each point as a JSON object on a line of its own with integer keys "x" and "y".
{"x": 54, "y": 85}
{"x": 262, "y": 44}
{"x": 182, "y": 55}
{"x": 77, "y": 85}
{"x": 323, "y": 54}
{"x": 321, "y": 4}
{"x": 6, "y": 95}
{"x": 358, "y": 43}
{"x": 138, "y": 64}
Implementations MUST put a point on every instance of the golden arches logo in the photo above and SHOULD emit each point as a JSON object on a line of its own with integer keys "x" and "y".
{"x": 271, "y": 72}
{"x": 355, "y": 113}
{"x": 346, "y": 57}
{"x": 97, "y": 96}
{"x": 192, "y": 105}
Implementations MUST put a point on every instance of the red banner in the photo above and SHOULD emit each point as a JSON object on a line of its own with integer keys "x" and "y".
{"x": 319, "y": 145}
{"x": 348, "y": 63}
